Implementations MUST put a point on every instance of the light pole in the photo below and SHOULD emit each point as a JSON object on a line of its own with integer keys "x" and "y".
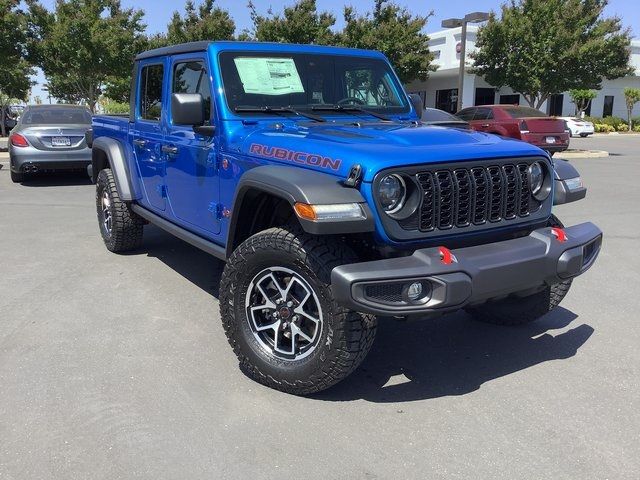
{"x": 474, "y": 17}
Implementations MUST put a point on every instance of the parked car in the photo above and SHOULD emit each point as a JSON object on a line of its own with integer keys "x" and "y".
{"x": 521, "y": 123}
{"x": 306, "y": 170}
{"x": 437, "y": 117}
{"x": 578, "y": 126}
{"x": 49, "y": 138}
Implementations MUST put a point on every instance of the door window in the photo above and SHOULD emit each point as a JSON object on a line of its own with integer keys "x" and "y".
{"x": 191, "y": 77}
{"x": 466, "y": 114}
{"x": 150, "y": 99}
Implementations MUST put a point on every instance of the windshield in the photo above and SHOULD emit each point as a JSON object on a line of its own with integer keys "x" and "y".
{"x": 303, "y": 81}
{"x": 523, "y": 112}
{"x": 56, "y": 116}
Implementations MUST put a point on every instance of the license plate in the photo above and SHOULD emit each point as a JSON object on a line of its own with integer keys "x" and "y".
{"x": 60, "y": 142}
{"x": 551, "y": 139}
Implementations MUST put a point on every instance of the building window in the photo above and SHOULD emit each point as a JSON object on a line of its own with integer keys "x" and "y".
{"x": 485, "y": 96}
{"x": 447, "y": 100}
{"x": 555, "y": 105}
{"x": 510, "y": 99}
{"x": 607, "y": 110}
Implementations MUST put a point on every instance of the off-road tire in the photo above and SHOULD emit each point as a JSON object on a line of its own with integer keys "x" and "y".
{"x": 346, "y": 336}
{"x": 17, "y": 177}
{"x": 522, "y": 310}
{"x": 126, "y": 226}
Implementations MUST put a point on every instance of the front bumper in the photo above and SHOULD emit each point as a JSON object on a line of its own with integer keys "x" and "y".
{"x": 519, "y": 266}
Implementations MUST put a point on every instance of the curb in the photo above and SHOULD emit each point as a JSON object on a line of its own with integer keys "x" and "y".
{"x": 568, "y": 154}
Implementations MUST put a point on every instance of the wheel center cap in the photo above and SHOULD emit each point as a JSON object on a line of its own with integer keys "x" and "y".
{"x": 284, "y": 312}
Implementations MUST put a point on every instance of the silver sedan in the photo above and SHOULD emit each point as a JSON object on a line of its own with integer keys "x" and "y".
{"x": 49, "y": 138}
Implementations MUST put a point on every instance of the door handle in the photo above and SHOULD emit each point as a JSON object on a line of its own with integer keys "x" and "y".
{"x": 169, "y": 150}
{"x": 140, "y": 143}
{"x": 484, "y": 125}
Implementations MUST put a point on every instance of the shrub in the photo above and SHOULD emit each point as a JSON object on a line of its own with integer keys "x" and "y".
{"x": 615, "y": 122}
{"x": 623, "y": 127}
{"x": 593, "y": 120}
{"x": 603, "y": 128}
{"x": 637, "y": 128}
{"x": 114, "y": 108}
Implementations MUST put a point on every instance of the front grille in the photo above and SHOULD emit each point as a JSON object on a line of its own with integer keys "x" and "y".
{"x": 465, "y": 196}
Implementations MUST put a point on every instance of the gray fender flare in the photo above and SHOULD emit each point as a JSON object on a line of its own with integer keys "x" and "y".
{"x": 563, "y": 192}
{"x": 295, "y": 184}
{"x": 117, "y": 160}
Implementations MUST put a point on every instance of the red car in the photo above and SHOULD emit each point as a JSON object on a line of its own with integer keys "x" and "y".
{"x": 521, "y": 123}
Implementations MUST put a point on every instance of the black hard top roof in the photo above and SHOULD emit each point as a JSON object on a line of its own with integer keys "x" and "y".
{"x": 175, "y": 49}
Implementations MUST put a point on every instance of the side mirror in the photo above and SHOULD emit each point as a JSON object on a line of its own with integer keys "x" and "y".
{"x": 187, "y": 109}
{"x": 416, "y": 101}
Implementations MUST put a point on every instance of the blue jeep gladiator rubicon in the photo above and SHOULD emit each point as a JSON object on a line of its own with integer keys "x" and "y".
{"x": 308, "y": 171}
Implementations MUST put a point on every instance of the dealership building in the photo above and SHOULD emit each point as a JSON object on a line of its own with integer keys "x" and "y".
{"x": 440, "y": 90}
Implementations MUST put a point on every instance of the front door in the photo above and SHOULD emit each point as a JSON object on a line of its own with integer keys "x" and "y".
{"x": 147, "y": 135}
{"x": 191, "y": 176}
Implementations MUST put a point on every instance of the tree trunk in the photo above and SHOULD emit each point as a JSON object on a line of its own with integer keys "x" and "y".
{"x": 629, "y": 113}
{"x": 541, "y": 100}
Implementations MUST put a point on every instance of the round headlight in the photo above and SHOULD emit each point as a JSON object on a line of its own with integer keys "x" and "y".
{"x": 391, "y": 193}
{"x": 536, "y": 178}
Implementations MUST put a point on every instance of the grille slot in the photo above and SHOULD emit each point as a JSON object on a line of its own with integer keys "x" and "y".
{"x": 384, "y": 292}
{"x": 461, "y": 197}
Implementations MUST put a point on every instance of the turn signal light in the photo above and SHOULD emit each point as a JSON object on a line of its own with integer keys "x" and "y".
{"x": 18, "y": 140}
{"x": 322, "y": 213}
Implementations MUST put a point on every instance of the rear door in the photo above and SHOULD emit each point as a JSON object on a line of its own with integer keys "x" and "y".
{"x": 191, "y": 168}
{"x": 147, "y": 133}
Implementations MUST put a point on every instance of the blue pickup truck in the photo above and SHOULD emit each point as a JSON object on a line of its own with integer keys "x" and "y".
{"x": 308, "y": 171}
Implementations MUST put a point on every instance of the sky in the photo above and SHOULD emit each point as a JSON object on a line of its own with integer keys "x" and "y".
{"x": 158, "y": 13}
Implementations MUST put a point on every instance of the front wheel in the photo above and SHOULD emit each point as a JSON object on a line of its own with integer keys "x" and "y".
{"x": 280, "y": 317}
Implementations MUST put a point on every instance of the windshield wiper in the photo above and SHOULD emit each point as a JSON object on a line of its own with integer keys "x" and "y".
{"x": 268, "y": 109}
{"x": 349, "y": 108}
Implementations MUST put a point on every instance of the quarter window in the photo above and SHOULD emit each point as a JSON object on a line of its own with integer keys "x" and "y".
{"x": 150, "y": 103}
{"x": 191, "y": 77}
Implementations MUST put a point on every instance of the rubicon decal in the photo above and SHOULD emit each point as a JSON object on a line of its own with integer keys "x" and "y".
{"x": 294, "y": 156}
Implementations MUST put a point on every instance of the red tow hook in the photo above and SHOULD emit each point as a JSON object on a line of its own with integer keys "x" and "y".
{"x": 446, "y": 256}
{"x": 559, "y": 234}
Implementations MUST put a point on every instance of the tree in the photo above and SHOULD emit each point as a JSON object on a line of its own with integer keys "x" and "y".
{"x": 582, "y": 97}
{"x": 631, "y": 96}
{"x": 85, "y": 46}
{"x": 300, "y": 23}
{"x": 208, "y": 22}
{"x": 15, "y": 70}
{"x": 539, "y": 47}
{"x": 392, "y": 30}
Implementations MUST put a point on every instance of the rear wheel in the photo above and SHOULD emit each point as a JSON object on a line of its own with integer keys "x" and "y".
{"x": 120, "y": 227}
{"x": 583, "y": 135}
{"x": 280, "y": 317}
{"x": 522, "y": 310}
{"x": 17, "y": 177}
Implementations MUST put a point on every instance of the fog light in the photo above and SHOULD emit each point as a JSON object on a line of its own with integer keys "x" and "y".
{"x": 415, "y": 291}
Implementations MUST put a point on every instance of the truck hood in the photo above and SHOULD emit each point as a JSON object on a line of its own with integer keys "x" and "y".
{"x": 335, "y": 147}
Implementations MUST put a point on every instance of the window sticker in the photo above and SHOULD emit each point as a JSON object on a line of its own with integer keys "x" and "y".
{"x": 269, "y": 76}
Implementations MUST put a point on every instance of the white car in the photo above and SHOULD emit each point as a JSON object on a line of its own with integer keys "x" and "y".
{"x": 577, "y": 126}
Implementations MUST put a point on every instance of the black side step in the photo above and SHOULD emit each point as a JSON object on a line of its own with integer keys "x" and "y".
{"x": 195, "y": 240}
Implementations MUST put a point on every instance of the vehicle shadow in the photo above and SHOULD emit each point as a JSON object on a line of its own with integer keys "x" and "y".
{"x": 411, "y": 360}
{"x": 200, "y": 268}
{"x": 454, "y": 355}
{"x": 56, "y": 179}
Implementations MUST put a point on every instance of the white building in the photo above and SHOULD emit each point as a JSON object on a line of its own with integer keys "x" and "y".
{"x": 441, "y": 88}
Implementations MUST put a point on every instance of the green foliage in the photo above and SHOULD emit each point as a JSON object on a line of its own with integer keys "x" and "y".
{"x": 300, "y": 23}
{"x": 207, "y": 22}
{"x": 15, "y": 70}
{"x": 85, "y": 46}
{"x": 603, "y": 128}
{"x": 394, "y": 31}
{"x": 581, "y": 97}
{"x": 540, "y": 47}
{"x": 113, "y": 107}
{"x": 631, "y": 97}
{"x": 615, "y": 122}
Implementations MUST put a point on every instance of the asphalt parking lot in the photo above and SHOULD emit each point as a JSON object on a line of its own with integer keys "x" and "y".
{"x": 116, "y": 366}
